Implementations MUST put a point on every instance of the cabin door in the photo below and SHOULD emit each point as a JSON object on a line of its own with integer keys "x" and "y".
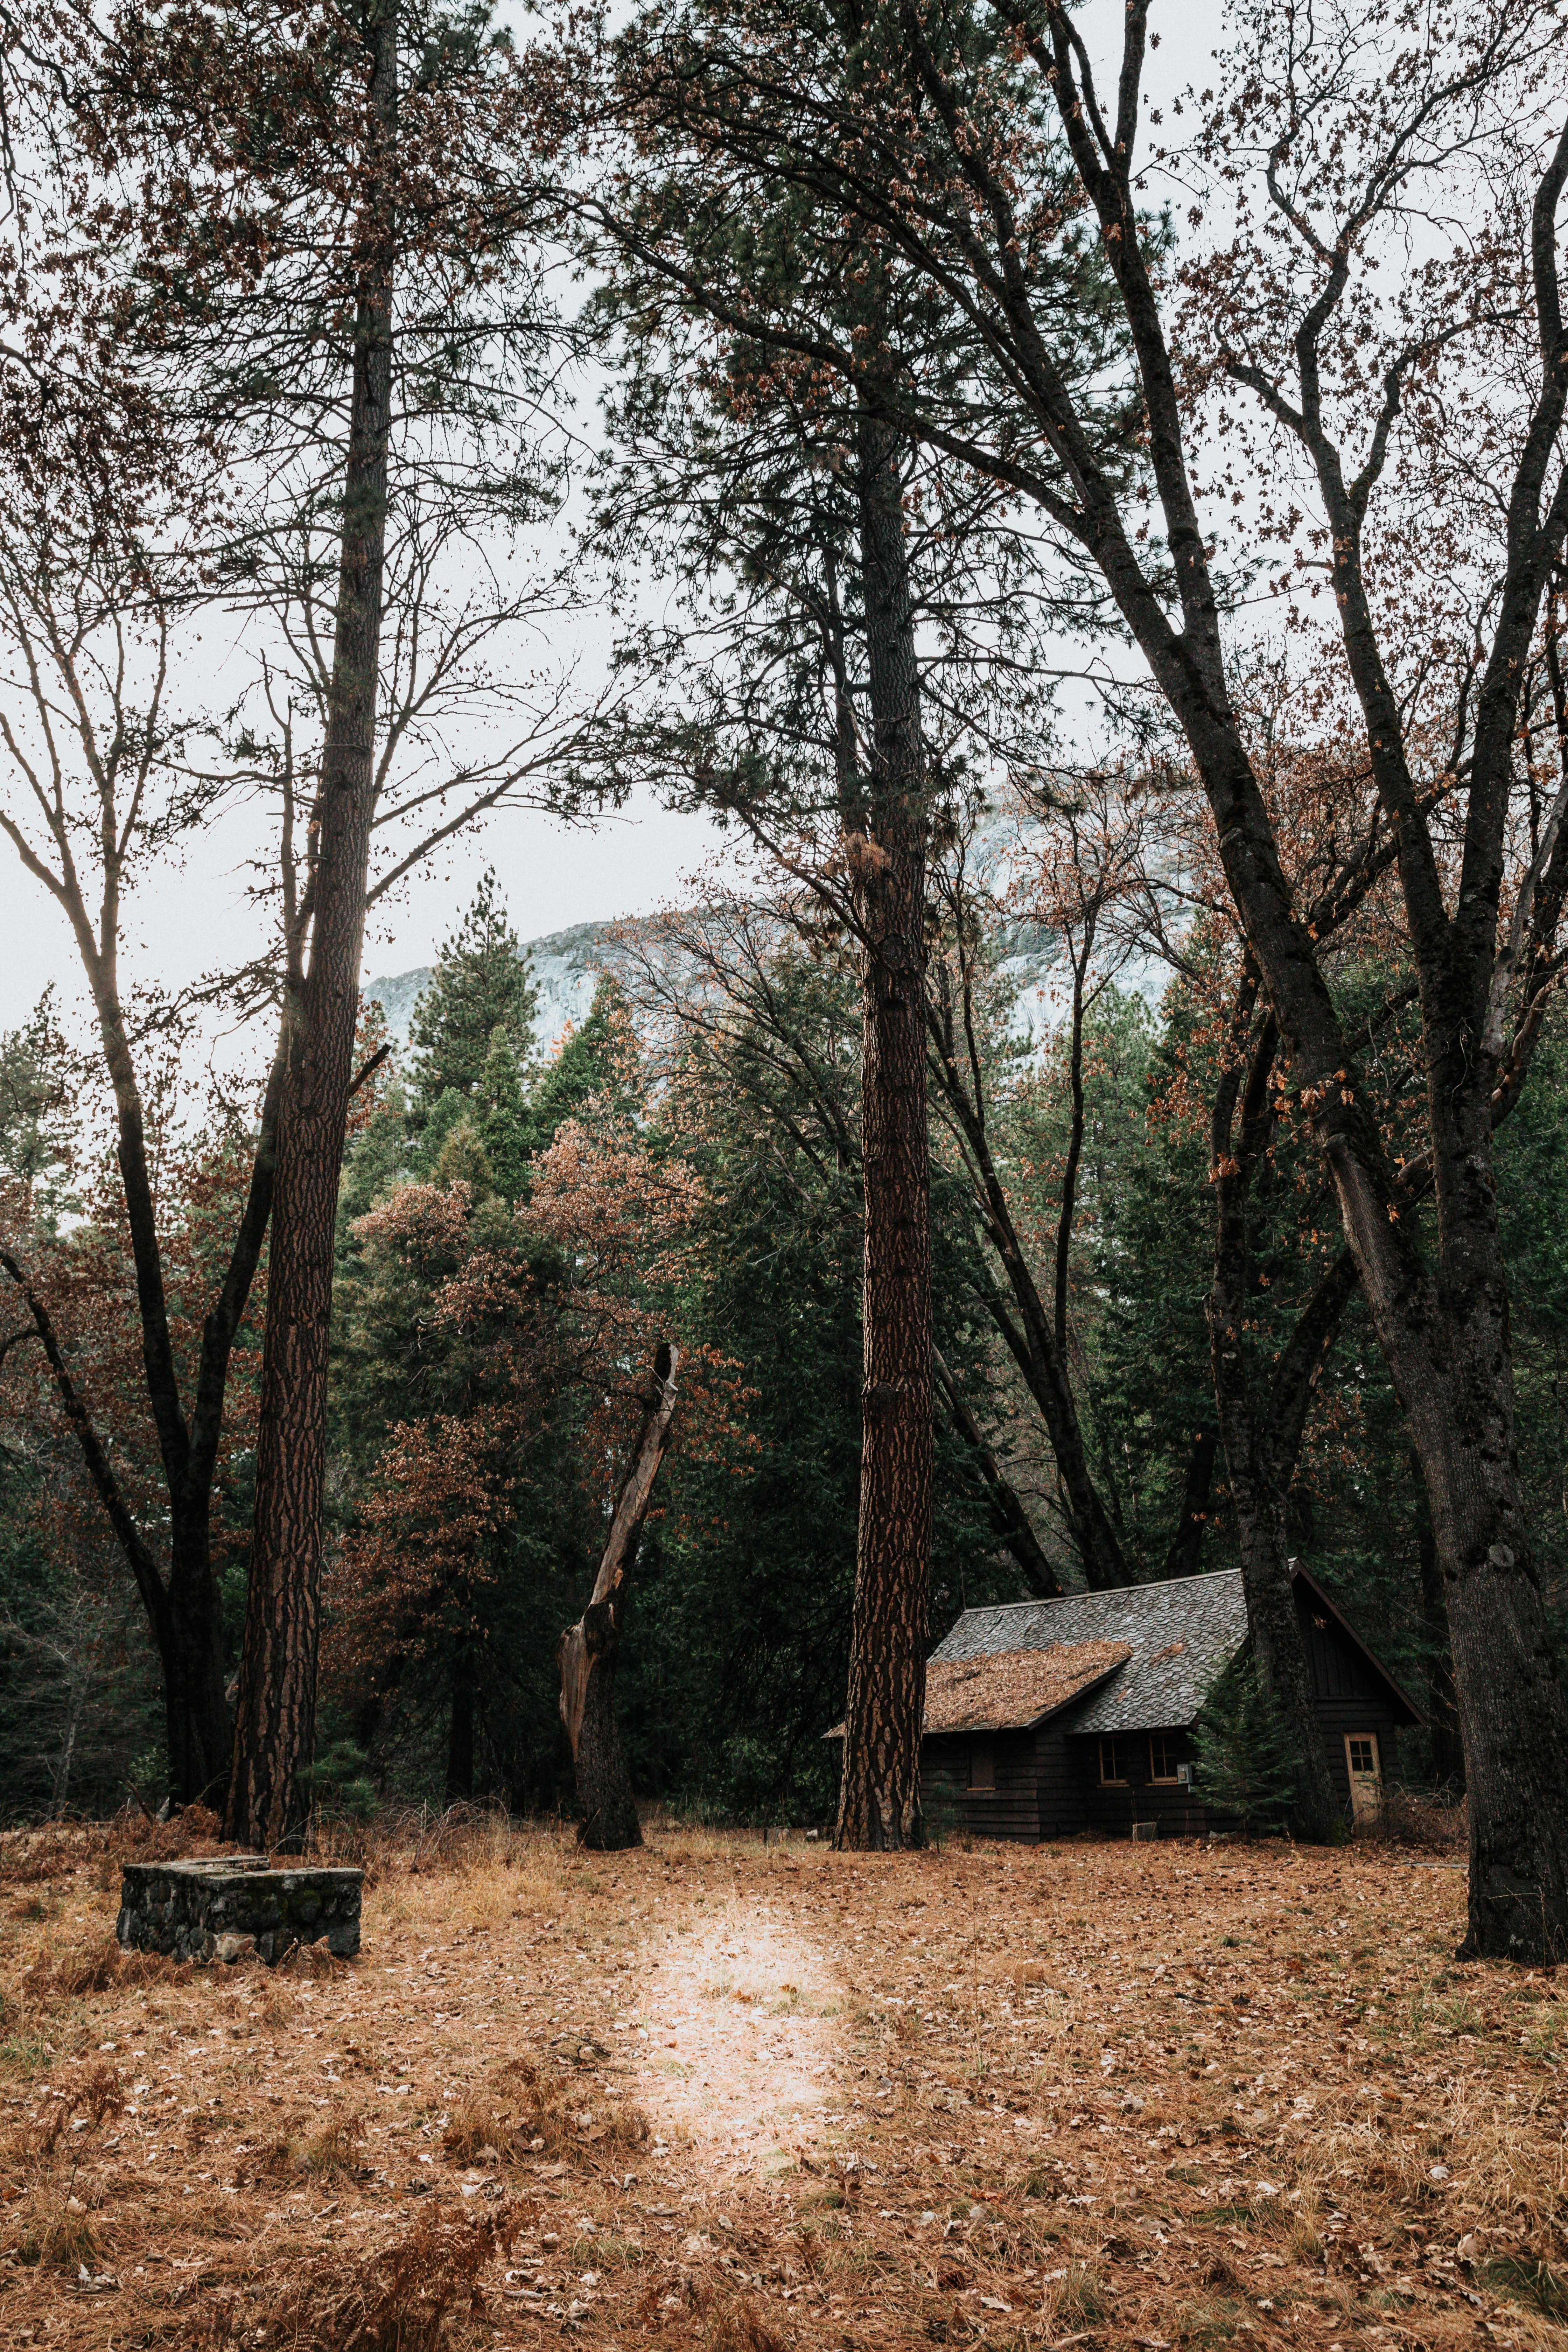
{"x": 1365, "y": 1766}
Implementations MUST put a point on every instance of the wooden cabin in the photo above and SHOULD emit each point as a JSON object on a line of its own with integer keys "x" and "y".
{"x": 1045, "y": 1717}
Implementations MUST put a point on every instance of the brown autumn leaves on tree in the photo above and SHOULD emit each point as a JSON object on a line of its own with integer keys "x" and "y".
{"x": 539, "y": 1328}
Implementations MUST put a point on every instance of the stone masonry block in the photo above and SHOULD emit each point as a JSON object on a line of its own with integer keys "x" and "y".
{"x": 227, "y": 1908}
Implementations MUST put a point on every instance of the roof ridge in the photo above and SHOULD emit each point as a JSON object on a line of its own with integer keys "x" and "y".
{"x": 1093, "y": 1592}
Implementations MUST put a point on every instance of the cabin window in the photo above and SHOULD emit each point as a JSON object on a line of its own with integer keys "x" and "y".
{"x": 981, "y": 1764}
{"x": 1162, "y": 1763}
{"x": 1113, "y": 1754}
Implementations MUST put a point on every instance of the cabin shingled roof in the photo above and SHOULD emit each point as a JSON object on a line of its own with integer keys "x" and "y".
{"x": 1015, "y": 1689}
{"x": 1011, "y": 1690}
{"x": 1181, "y": 1634}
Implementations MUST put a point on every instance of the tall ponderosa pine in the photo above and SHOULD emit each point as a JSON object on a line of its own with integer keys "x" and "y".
{"x": 429, "y": 233}
{"x": 229, "y": 192}
{"x": 792, "y": 483}
{"x": 846, "y": 688}
{"x": 859, "y": 591}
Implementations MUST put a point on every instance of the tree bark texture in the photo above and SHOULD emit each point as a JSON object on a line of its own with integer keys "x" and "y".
{"x": 275, "y": 1725}
{"x": 878, "y": 1803}
{"x": 1186, "y": 1553}
{"x": 1442, "y": 1708}
{"x": 1263, "y": 1432}
{"x": 585, "y": 1653}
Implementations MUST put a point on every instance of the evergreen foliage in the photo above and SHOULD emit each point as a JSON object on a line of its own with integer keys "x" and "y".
{"x": 482, "y": 981}
{"x": 502, "y": 1120}
{"x": 1244, "y": 1770}
{"x": 37, "y": 1116}
{"x": 735, "y": 1657}
{"x": 585, "y": 1066}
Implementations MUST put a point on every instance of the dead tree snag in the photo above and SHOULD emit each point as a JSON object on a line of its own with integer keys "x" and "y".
{"x": 585, "y": 1652}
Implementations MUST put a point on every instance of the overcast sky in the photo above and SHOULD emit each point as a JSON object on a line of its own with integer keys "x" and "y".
{"x": 183, "y": 924}
{"x": 189, "y": 922}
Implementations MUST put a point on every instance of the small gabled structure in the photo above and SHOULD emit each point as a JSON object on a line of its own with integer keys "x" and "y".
{"x": 1047, "y": 1717}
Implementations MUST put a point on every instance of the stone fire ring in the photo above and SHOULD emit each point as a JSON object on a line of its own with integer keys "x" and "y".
{"x": 236, "y": 1906}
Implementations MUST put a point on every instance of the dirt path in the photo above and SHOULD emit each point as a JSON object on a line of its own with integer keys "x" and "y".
{"x": 739, "y": 2044}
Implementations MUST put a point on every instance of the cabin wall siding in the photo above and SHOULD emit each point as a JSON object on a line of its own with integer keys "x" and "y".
{"x": 1339, "y": 1717}
{"x": 1347, "y": 1697}
{"x": 1112, "y": 1811}
{"x": 1056, "y": 1777}
{"x": 1010, "y": 1809}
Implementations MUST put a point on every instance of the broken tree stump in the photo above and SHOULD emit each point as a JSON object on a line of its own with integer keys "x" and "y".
{"x": 585, "y": 1652}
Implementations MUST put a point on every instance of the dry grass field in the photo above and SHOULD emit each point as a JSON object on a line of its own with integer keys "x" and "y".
{"x": 720, "y": 2095}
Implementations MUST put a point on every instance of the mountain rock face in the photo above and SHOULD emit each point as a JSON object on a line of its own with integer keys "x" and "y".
{"x": 566, "y": 965}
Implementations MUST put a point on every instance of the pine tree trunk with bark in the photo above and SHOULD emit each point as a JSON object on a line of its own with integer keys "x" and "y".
{"x": 275, "y": 1727}
{"x": 585, "y": 1653}
{"x": 880, "y": 1801}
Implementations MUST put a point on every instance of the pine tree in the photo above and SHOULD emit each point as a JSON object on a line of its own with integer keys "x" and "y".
{"x": 373, "y": 1164}
{"x": 464, "y": 1160}
{"x": 37, "y": 1119}
{"x": 483, "y": 980}
{"x": 1244, "y": 1768}
{"x": 503, "y": 1125}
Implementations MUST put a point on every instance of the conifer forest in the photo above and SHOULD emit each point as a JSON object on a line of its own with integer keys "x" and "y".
{"x": 881, "y": 1587}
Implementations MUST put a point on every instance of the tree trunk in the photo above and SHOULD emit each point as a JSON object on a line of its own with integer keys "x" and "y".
{"x": 609, "y": 1821}
{"x": 1445, "y": 1338}
{"x": 196, "y": 1710}
{"x": 1262, "y": 1434}
{"x": 585, "y": 1653}
{"x": 1185, "y": 1555}
{"x": 185, "y": 1615}
{"x": 1442, "y": 1708}
{"x": 1441, "y": 1321}
{"x": 1512, "y": 1721}
{"x": 275, "y": 1727}
{"x": 1258, "y": 1495}
{"x": 878, "y": 1803}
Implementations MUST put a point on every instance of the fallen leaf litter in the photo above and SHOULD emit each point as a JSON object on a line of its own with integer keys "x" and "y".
{"x": 746, "y": 2098}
